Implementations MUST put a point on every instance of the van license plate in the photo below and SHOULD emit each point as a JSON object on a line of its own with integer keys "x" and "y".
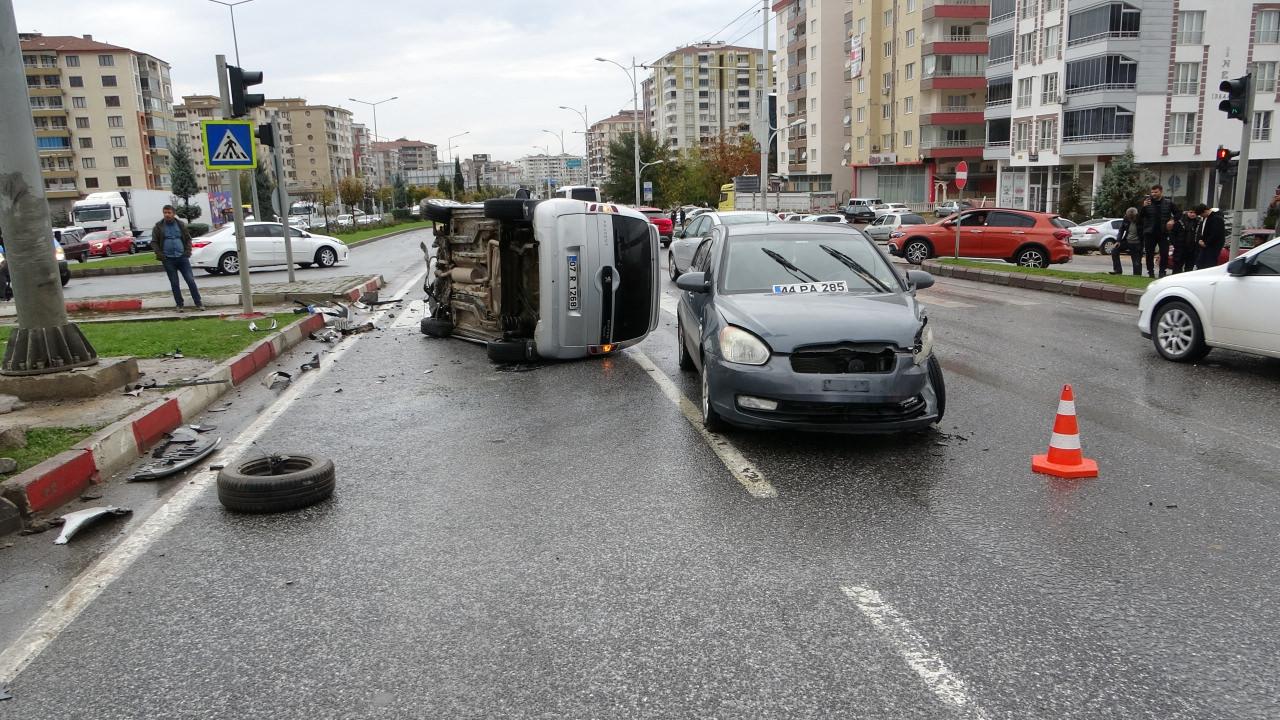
{"x": 573, "y": 283}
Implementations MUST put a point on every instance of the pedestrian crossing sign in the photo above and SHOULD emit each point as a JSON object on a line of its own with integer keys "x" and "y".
{"x": 228, "y": 144}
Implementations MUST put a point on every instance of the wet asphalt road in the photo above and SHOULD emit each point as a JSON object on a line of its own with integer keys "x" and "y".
{"x": 561, "y": 543}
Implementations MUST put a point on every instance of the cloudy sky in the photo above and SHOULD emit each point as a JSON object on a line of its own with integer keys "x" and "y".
{"x": 497, "y": 68}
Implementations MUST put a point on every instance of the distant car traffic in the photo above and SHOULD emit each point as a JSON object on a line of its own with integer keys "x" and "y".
{"x": 862, "y": 210}
{"x": 1100, "y": 235}
{"x": 216, "y": 254}
{"x": 687, "y": 238}
{"x": 951, "y": 207}
{"x": 72, "y": 240}
{"x": 1229, "y": 306}
{"x": 1030, "y": 239}
{"x": 796, "y": 217}
{"x": 825, "y": 218}
{"x": 892, "y": 208}
{"x": 806, "y": 326}
{"x": 883, "y": 226}
{"x": 64, "y": 273}
{"x": 106, "y": 243}
{"x": 661, "y": 221}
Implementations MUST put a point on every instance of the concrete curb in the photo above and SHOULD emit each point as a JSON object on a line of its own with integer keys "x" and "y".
{"x": 79, "y": 271}
{"x": 1076, "y": 288}
{"x": 64, "y": 477}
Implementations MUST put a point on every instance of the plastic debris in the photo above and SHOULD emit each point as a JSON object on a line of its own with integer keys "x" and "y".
{"x": 277, "y": 379}
{"x": 221, "y": 408}
{"x": 327, "y": 335}
{"x": 203, "y": 428}
{"x": 181, "y": 449}
{"x": 312, "y": 364}
{"x": 253, "y": 326}
{"x": 72, "y": 523}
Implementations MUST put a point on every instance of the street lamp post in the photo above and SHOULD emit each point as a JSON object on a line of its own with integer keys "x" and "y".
{"x": 453, "y": 191}
{"x": 635, "y": 109}
{"x": 232, "y": 7}
{"x": 586, "y": 138}
{"x": 375, "y": 105}
{"x": 645, "y": 165}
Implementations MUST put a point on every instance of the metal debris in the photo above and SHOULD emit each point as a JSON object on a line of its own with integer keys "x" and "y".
{"x": 181, "y": 449}
{"x": 277, "y": 379}
{"x": 5, "y": 694}
{"x": 253, "y": 326}
{"x": 175, "y": 355}
{"x": 74, "y": 522}
{"x": 90, "y": 495}
{"x": 327, "y": 335}
{"x": 221, "y": 408}
{"x": 203, "y": 428}
{"x": 312, "y": 364}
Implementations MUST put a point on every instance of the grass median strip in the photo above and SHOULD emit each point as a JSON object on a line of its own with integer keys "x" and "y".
{"x": 358, "y": 235}
{"x": 44, "y": 443}
{"x": 1127, "y": 281}
{"x": 199, "y": 337}
{"x": 138, "y": 260}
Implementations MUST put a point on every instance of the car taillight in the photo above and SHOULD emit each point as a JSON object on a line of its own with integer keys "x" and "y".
{"x": 1091, "y": 231}
{"x": 1062, "y": 235}
{"x": 199, "y": 243}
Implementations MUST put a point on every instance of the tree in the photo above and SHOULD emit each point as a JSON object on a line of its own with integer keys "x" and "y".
{"x": 1071, "y": 204}
{"x": 266, "y": 188}
{"x": 400, "y": 191}
{"x": 1122, "y": 186}
{"x": 459, "y": 182}
{"x": 326, "y": 196}
{"x": 182, "y": 179}
{"x": 350, "y": 191}
{"x": 445, "y": 187}
{"x": 621, "y": 183}
{"x": 730, "y": 158}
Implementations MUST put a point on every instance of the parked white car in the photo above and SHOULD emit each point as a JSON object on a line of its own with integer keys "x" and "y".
{"x": 824, "y": 218}
{"x": 1230, "y": 306}
{"x": 892, "y": 209}
{"x": 883, "y": 227}
{"x": 216, "y": 254}
{"x": 1100, "y": 235}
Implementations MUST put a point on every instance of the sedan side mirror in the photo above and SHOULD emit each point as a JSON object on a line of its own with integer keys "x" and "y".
{"x": 1239, "y": 267}
{"x": 919, "y": 279}
{"x": 694, "y": 282}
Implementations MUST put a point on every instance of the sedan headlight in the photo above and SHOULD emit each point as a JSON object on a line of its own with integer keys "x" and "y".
{"x": 739, "y": 346}
{"x": 924, "y": 345}
{"x": 59, "y": 255}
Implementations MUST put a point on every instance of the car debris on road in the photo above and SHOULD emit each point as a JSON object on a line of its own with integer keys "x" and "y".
{"x": 73, "y": 522}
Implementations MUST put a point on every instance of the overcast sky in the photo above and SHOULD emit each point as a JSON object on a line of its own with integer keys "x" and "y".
{"x": 497, "y": 68}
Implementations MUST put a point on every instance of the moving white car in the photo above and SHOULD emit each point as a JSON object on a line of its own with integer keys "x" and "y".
{"x": 1230, "y": 306}
{"x": 216, "y": 254}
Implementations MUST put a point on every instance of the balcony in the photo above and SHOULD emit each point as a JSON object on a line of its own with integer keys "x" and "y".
{"x": 933, "y": 147}
{"x": 953, "y": 115}
{"x": 44, "y": 91}
{"x": 1113, "y": 35}
{"x": 975, "y": 44}
{"x": 62, "y": 191}
{"x": 956, "y": 9}
{"x": 1088, "y": 145}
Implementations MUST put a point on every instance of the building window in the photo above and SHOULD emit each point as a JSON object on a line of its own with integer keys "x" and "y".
{"x": 1268, "y": 27}
{"x": 90, "y": 183}
{"x": 1000, "y": 48}
{"x": 1049, "y": 89}
{"x": 1027, "y": 48}
{"x": 106, "y": 61}
{"x": 1026, "y": 86}
{"x": 1266, "y": 77}
{"x": 1048, "y": 134}
{"x": 908, "y": 105}
{"x": 1096, "y": 124}
{"x": 911, "y": 6}
{"x": 886, "y": 143}
{"x": 121, "y": 161}
{"x": 1262, "y": 126}
{"x": 124, "y": 181}
{"x": 909, "y": 71}
{"x": 88, "y": 163}
{"x": 78, "y": 102}
{"x": 888, "y": 18}
{"x": 861, "y": 143}
{"x": 911, "y": 38}
{"x": 907, "y": 138}
{"x": 113, "y": 101}
{"x": 888, "y": 49}
{"x": 861, "y": 114}
{"x": 813, "y": 79}
{"x": 117, "y": 141}
{"x": 1182, "y": 129}
{"x": 115, "y": 121}
{"x": 1021, "y": 136}
{"x": 108, "y": 81}
{"x": 887, "y": 79}
{"x": 1051, "y": 5}
{"x": 1052, "y": 42}
{"x": 82, "y": 123}
{"x": 1191, "y": 27}
{"x": 1101, "y": 72}
{"x": 862, "y": 85}
{"x": 75, "y": 81}
{"x": 862, "y": 26}
{"x": 1186, "y": 78}
{"x": 86, "y": 143}
{"x": 72, "y": 60}
{"x": 1028, "y": 9}
{"x": 886, "y": 111}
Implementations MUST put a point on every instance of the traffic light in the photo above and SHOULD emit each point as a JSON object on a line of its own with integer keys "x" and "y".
{"x": 1237, "y": 101}
{"x": 266, "y": 135}
{"x": 1226, "y": 161}
{"x": 241, "y": 80}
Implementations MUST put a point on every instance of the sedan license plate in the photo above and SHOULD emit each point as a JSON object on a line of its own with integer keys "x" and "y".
{"x": 858, "y": 386}
{"x": 811, "y": 288}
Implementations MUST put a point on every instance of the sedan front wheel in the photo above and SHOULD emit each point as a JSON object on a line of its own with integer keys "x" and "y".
{"x": 711, "y": 419}
{"x": 1178, "y": 334}
{"x": 326, "y": 257}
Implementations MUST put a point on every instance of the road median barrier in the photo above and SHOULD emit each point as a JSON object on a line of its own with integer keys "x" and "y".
{"x": 1107, "y": 292}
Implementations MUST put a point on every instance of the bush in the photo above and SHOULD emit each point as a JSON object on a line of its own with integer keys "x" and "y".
{"x": 401, "y": 214}
{"x": 197, "y": 229}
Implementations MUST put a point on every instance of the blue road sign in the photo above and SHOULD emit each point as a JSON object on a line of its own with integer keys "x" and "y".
{"x": 228, "y": 144}
{"x": 573, "y": 163}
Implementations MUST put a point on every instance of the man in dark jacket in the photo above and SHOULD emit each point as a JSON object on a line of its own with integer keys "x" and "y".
{"x": 1157, "y": 216}
{"x": 171, "y": 242}
{"x": 1213, "y": 235}
{"x": 1185, "y": 239}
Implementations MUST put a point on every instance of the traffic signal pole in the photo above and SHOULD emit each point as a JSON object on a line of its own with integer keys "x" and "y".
{"x": 1242, "y": 169}
{"x": 237, "y": 212}
{"x": 282, "y": 193}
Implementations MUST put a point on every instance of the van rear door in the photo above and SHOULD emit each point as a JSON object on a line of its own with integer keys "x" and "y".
{"x": 635, "y": 280}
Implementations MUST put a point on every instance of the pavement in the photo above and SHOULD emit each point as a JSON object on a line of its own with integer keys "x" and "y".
{"x": 561, "y": 542}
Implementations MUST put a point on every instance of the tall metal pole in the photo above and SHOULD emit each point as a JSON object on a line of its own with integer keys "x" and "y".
{"x": 44, "y": 341}
{"x": 635, "y": 108}
{"x": 237, "y": 212}
{"x": 282, "y": 194}
{"x": 586, "y": 138}
{"x": 1242, "y": 170}
{"x": 764, "y": 106}
{"x": 453, "y": 191}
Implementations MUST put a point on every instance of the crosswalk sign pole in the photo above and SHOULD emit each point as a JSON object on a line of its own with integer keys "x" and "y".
{"x": 237, "y": 212}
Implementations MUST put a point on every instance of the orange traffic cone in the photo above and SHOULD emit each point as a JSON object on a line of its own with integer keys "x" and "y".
{"x": 1065, "y": 459}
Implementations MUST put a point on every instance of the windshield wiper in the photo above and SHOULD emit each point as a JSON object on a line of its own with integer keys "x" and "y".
{"x": 791, "y": 268}
{"x": 857, "y": 268}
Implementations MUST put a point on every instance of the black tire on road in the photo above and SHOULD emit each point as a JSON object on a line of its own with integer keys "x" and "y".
{"x": 436, "y": 327}
{"x": 437, "y": 213}
{"x": 300, "y": 481}
{"x": 711, "y": 419}
{"x": 671, "y": 266}
{"x": 510, "y": 351}
{"x": 65, "y": 277}
{"x": 512, "y": 209}
{"x": 326, "y": 257}
{"x": 1177, "y": 333}
{"x": 939, "y": 385}
{"x": 229, "y": 264}
{"x": 1107, "y": 247}
{"x": 916, "y": 251}
{"x": 686, "y": 360}
{"x": 1033, "y": 257}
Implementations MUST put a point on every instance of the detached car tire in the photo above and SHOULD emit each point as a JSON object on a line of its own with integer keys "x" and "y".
{"x": 436, "y": 327}
{"x": 298, "y": 481}
{"x": 511, "y": 209}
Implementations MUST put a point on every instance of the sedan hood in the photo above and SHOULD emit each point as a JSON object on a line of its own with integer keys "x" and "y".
{"x": 786, "y": 322}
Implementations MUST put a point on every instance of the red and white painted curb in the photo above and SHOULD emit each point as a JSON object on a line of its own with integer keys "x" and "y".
{"x": 63, "y": 478}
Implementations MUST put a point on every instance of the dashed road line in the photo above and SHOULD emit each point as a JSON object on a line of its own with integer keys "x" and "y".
{"x": 941, "y": 681}
{"x": 737, "y": 464}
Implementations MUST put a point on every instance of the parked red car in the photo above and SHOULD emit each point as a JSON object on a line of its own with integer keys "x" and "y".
{"x": 660, "y": 219}
{"x": 106, "y": 243}
{"x": 1031, "y": 239}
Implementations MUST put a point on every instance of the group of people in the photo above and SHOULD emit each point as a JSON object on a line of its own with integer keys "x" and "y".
{"x": 1197, "y": 236}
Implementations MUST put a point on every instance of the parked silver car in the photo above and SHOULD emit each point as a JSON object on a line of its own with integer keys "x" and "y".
{"x": 687, "y": 238}
{"x": 1100, "y": 235}
{"x": 886, "y": 224}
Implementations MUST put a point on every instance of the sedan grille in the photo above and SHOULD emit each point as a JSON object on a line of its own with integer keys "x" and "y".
{"x": 844, "y": 360}
{"x": 820, "y": 413}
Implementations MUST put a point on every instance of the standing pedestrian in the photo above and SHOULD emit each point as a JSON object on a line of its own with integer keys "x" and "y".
{"x": 1158, "y": 213}
{"x": 1129, "y": 242}
{"x": 1185, "y": 239}
{"x": 1213, "y": 236}
{"x": 171, "y": 242}
{"x": 681, "y": 216}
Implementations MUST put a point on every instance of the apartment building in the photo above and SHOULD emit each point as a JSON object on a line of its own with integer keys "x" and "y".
{"x": 814, "y": 87}
{"x": 322, "y": 140}
{"x": 1073, "y": 83}
{"x": 536, "y": 170}
{"x": 705, "y": 91}
{"x": 600, "y": 135}
{"x": 919, "y": 89}
{"x": 400, "y": 157}
{"x": 103, "y": 116}
{"x": 284, "y": 143}
{"x": 187, "y": 117}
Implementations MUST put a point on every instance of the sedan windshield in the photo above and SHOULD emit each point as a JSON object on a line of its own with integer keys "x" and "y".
{"x": 756, "y": 264}
{"x": 744, "y": 218}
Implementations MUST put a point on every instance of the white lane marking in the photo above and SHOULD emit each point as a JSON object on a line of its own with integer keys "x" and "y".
{"x": 98, "y": 577}
{"x": 409, "y": 316}
{"x": 737, "y": 464}
{"x": 946, "y": 685}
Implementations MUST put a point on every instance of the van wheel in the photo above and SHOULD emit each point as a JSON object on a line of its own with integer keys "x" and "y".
{"x": 510, "y": 209}
{"x": 437, "y": 213}
{"x": 916, "y": 252}
{"x": 436, "y": 327}
{"x": 510, "y": 351}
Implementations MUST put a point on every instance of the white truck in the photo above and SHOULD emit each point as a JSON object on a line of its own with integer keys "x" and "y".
{"x": 135, "y": 211}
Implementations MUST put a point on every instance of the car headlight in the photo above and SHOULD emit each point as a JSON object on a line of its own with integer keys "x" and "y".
{"x": 924, "y": 345}
{"x": 739, "y": 346}
{"x": 59, "y": 255}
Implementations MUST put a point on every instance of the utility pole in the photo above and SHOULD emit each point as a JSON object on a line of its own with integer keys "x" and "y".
{"x": 44, "y": 341}
{"x": 1241, "y": 181}
{"x": 764, "y": 107}
{"x": 635, "y": 109}
{"x": 282, "y": 193}
{"x": 237, "y": 211}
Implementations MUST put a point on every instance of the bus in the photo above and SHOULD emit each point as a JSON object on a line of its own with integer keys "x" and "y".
{"x": 726, "y": 197}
